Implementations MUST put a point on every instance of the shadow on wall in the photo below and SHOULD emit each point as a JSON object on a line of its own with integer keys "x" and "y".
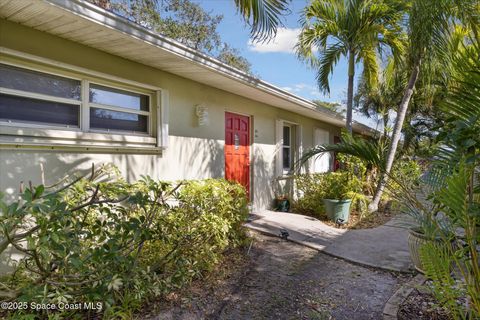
{"x": 263, "y": 193}
{"x": 18, "y": 166}
{"x": 185, "y": 158}
{"x": 25, "y": 166}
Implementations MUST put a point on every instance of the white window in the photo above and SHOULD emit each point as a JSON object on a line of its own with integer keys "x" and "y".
{"x": 102, "y": 113}
{"x": 28, "y": 96}
{"x": 118, "y": 110}
{"x": 323, "y": 162}
{"x": 287, "y": 148}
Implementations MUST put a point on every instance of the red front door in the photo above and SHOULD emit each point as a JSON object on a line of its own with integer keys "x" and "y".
{"x": 237, "y": 149}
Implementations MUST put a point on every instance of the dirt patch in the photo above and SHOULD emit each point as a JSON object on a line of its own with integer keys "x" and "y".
{"x": 203, "y": 298}
{"x": 422, "y": 306}
{"x": 358, "y": 221}
{"x": 283, "y": 280}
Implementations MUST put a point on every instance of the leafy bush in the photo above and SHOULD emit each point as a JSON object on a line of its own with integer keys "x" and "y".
{"x": 359, "y": 168}
{"x": 341, "y": 185}
{"x": 311, "y": 189}
{"x": 407, "y": 172}
{"x": 100, "y": 239}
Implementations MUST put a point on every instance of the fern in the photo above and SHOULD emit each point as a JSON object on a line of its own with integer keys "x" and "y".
{"x": 437, "y": 263}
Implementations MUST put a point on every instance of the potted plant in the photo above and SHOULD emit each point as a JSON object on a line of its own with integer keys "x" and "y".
{"x": 428, "y": 229}
{"x": 282, "y": 203}
{"x": 340, "y": 188}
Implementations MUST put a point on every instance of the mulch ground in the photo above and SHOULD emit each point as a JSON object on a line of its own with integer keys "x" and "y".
{"x": 278, "y": 279}
{"x": 422, "y": 306}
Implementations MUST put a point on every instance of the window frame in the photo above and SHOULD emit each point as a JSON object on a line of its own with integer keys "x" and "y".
{"x": 42, "y": 97}
{"x": 149, "y": 113}
{"x": 290, "y": 147}
{"x": 15, "y": 135}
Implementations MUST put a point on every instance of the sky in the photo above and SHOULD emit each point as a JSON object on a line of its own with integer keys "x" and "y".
{"x": 275, "y": 61}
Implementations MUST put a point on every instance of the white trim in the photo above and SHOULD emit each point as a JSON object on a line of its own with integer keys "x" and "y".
{"x": 236, "y": 112}
{"x": 291, "y": 146}
{"x": 85, "y": 112}
{"x": 298, "y": 144}
{"x": 278, "y": 147}
{"x": 163, "y": 109}
{"x": 38, "y": 96}
{"x": 38, "y": 127}
{"x": 16, "y": 132}
{"x": 124, "y": 27}
{"x": 79, "y": 148}
{"x": 120, "y": 109}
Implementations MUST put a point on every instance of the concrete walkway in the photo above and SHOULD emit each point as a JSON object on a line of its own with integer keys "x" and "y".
{"x": 382, "y": 247}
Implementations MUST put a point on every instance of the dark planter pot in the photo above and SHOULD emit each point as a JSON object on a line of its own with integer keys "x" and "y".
{"x": 283, "y": 205}
{"x": 338, "y": 210}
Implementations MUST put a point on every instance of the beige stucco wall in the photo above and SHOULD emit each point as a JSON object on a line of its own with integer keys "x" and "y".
{"x": 194, "y": 152}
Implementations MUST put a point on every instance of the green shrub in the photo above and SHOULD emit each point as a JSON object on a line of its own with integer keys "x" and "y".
{"x": 341, "y": 185}
{"x": 309, "y": 194}
{"x": 312, "y": 188}
{"x": 361, "y": 169}
{"x": 100, "y": 239}
{"x": 407, "y": 172}
{"x": 220, "y": 197}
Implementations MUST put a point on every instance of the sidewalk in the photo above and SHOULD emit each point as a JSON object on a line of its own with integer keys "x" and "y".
{"x": 382, "y": 247}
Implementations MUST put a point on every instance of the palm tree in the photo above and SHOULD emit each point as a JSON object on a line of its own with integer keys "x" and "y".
{"x": 385, "y": 96}
{"x": 430, "y": 24}
{"x": 355, "y": 29}
{"x": 452, "y": 182}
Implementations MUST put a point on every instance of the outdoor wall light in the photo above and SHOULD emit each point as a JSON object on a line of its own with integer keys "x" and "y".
{"x": 202, "y": 113}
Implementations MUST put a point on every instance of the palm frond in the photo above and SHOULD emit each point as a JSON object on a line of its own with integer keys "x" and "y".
{"x": 263, "y": 16}
{"x": 369, "y": 150}
{"x": 370, "y": 67}
{"x": 326, "y": 63}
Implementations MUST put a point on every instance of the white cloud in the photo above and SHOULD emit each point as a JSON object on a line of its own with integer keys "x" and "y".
{"x": 304, "y": 90}
{"x": 284, "y": 41}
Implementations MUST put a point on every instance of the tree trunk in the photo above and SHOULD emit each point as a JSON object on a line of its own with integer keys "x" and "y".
{"x": 397, "y": 132}
{"x": 351, "y": 75}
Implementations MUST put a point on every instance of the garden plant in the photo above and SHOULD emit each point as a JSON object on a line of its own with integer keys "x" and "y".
{"x": 98, "y": 239}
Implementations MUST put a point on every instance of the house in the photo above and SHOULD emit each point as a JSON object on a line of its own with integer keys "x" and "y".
{"x": 81, "y": 85}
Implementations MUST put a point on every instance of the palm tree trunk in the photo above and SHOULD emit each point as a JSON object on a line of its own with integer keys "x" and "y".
{"x": 397, "y": 132}
{"x": 351, "y": 75}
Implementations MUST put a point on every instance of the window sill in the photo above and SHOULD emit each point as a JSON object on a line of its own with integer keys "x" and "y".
{"x": 75, "y": 141}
